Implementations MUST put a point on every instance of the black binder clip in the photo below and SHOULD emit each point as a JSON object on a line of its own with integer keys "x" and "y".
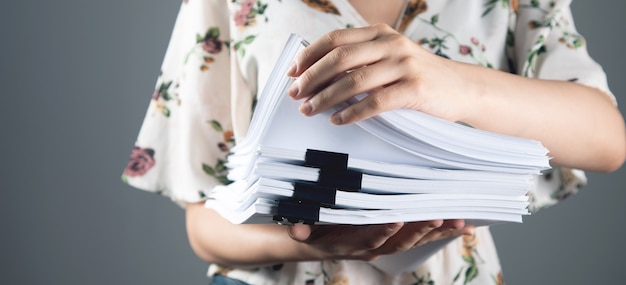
{"x": 291, "y": 212}
{"x": 307, "y": 191}
{"x": 308, "y": 198}
{"x": 334, "y": 170}
{"x": 326, "y": 159}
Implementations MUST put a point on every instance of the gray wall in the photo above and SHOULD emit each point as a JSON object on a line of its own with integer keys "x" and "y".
{"x": 76, "y": 77}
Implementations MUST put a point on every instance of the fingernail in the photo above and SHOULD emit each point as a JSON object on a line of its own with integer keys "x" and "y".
{"x": 433, "y": 225}
{"x": 336, "y": 118}
{"x": 292, "y": 69}
{"x": 306, "y": 108}
{"x": 289, "y": 231}
{"x": 294, "y": 89}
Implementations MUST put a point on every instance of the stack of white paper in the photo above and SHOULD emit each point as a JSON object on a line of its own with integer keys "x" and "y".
{"x": 410, "y": 167}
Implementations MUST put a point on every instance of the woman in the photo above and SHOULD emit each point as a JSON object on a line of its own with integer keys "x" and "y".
{"x": 514, "y": 68}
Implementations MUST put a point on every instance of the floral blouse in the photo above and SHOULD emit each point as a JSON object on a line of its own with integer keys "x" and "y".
{"x": 222, "y": 51}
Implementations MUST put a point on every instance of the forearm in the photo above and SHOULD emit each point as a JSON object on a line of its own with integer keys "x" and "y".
{"x": 215, "y": 240}
{"x": 579, "y": 125}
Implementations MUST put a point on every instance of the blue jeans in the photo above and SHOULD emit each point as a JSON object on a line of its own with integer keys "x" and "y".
{"x": 219, "y": 279}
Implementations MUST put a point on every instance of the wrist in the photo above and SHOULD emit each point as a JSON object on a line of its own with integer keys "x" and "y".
{"x": 292, "y": 250}
{"x": 473, "y": 102}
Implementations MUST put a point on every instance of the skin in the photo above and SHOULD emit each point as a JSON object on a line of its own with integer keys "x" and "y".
{"x": 579, "y": 125}
{"x": 216, "y": 240}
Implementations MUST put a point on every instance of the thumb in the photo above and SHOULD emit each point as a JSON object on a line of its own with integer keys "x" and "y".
{"x": 299, "y": 232}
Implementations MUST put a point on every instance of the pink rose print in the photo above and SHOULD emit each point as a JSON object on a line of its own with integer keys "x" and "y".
{"x": 210, "y": 41}
{"x": 241, "y": 17}
{"x": 247, "y": 6}
{"x": 222, "y": 146}
{"x": 248, "y": 12}
{"x": 155, "y": 95}
{"x": 474, "y": 41}
{"x": 465, "y": 50}
{"x": 141, "y": 160}
{"x": 212, "y": 45}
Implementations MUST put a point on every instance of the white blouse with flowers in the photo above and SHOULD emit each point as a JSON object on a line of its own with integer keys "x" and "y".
{"x": 222, "y": 51}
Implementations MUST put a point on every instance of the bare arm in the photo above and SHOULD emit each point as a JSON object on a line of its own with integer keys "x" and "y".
{"x": 578, "y": 124}
{"x": 216, "y": 240}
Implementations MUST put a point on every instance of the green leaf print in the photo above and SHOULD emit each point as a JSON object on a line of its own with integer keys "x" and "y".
{"x": 510, "y": 38}
{"x": 437, "y": 44}
{"x": 440, "y": 53}
{"x": 220, "y": 166}
{"x": 165, "y": 111}
{"x": 239, "y": 46}
{"x": 456, "y": 277}
{"x": 470, "y": 256}
{"x": 219, "y": 170}
{"x": 208, "y": 169}
{"x": 163, "y": 96}
{"x": 164, "y": 87}
{"x": 260, "y": 8}
{"x": 423, "y": 280}
{"x": 222, "y": 179}
{"x": 434, "y": 19}
{"x": 491, "y": 4}
{"x": 469, "y": 259}
{"x": 216, "y": 125}
{"x": 213, "y": 172}
{"x": 470, "y": 274}
{"x": 572, "y": 40}
{"x": 249, "y": 39}
{"x": 213, "y": 32}
{"x": 531, "y": 61}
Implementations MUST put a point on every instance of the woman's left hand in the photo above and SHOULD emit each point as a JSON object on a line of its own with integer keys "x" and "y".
{"x": 393, "y": 70}
{"x": 368, "y": 242}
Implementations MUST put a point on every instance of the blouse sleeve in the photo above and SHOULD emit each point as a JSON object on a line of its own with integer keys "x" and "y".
{"x": 186, "y": 133}
{"x": 546, "y": 45}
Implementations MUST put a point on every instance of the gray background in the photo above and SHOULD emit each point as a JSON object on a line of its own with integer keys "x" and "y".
{"x": 76, "y": 78}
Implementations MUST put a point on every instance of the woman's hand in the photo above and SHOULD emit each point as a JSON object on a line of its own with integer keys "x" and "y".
{"x": 367, "y": 242}
{"x": 396, "y": 73}
{"x": 578, "y": 124}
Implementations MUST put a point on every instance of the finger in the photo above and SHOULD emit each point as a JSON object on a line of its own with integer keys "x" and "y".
{"x": 332, "y": 40}
{"x": 356, "y": 82}
{"x": 377, "y": 101}
{"x": 468, "y": 230}
{"x": 351, "y": 242}
{"x": 408, "y": 236}
{"x": 448, "y": 229}
{"x": 377, "y": 235}
{"x": 300, "y": 232}
{"x": 333, "y": 65}
{"x": 452, "y": 224}
{"x": 361, "y": 237}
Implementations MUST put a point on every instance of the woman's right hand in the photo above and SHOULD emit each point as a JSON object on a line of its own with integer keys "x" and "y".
{"x": 367, "y": 242}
